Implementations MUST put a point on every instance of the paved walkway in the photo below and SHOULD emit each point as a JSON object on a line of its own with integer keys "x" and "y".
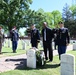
{"x": 12, "y": 62}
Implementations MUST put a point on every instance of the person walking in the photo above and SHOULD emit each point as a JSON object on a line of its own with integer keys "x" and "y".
{"x": 47, "y": 36}
{"x": 63, "y": 39}
{"x": 14, "y": 39}
{"x": 35, "y": 36}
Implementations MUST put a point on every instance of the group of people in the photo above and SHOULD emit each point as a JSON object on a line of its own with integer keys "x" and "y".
{"x": 61, "y": 35}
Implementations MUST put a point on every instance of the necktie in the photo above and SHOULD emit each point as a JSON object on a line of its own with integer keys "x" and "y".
{"x": 45, "y": 34}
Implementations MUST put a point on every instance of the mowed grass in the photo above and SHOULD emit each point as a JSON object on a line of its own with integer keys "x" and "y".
{"x": 51, "y": 68}
{"x": 7, "y": 51}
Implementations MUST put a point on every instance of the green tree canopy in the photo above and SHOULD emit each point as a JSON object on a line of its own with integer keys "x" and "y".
{"x": 14, "y": 13}
{"x": 56, "y": 17}
{"x": 69, "y": 17}
{"x": 73, "y": 9}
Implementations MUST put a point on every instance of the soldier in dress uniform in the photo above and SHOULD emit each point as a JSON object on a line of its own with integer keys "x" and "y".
{"x": 35, "y": 36}
{"x": 14, "y": 39}
{"x": 62, "y": 38}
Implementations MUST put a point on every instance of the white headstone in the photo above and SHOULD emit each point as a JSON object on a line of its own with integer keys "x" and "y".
{"x": 23, "y": 45}
{"x": 67, "y": 64}
{"x": 3, "y": 43}
{"x": 69, "y": 47}
{"x": 8, "y": 42}
{"x": 31, "y": 58}
{"x": 74, "y": 46}
{"x": 41, "y": 43}
{"x": 42, "y": 57}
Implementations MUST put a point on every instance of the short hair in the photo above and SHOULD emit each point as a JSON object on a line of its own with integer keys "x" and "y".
{"x": 14, "y": 27}
{"x": 33, "y": 25}
{"x": 45, "y": 23}
{"x": 61, "y": 22}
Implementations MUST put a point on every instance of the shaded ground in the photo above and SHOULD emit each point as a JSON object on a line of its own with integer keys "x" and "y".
{"x": 12, "y": 62}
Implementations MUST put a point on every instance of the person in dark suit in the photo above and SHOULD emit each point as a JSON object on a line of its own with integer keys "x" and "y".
{"x": 35, "y": 36}
{"x": 63, "y": 38}
{"x": 47, "y": 36}
{"x": 55, "y": 38}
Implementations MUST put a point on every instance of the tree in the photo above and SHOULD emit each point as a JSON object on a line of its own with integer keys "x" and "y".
{"x": 71, "y": 25}
{"x": 69, "y": 17}
{"x": 13, "y": 13}
{"x": 56, "y": 17}
{"x": 67, "y": 14}
{"x": 49, "y": 18}
{"x": 36, "y": 17}
{"x": 73, "y": 9}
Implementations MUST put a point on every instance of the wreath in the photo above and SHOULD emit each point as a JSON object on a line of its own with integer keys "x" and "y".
{"x": 40, "y": 58}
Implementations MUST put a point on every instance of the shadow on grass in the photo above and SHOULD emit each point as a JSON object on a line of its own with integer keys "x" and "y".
{"x": 22, "y": 64}
{"x": 7, "y": 52}
{"x": 47, "y": 66}
{"x": 19, "y": 63}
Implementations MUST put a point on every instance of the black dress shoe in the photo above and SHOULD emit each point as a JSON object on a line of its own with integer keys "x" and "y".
{"x": 50, "y": 60}
{"x": 0, "y": 52}
{"x": 46, "y": 58}
{"x": 14, "y": 51}
{"x": 59, "y": 64}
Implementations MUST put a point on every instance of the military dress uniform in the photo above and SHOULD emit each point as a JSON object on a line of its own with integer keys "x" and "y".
{"x": 35, "y": 37}
{"x": 14, "y": 39}
{"x": 62, "y": 40}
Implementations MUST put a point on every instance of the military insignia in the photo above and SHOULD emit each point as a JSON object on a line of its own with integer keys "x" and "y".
{"x": 63, "y": 31}
{"x": 35, "y": 31}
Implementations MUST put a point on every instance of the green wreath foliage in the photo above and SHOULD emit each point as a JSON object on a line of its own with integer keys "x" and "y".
{"x": 39, "y": 59}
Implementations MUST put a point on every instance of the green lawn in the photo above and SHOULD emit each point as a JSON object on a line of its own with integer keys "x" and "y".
{"x": 7, "y": 51}
{"x": 51, "y": 68}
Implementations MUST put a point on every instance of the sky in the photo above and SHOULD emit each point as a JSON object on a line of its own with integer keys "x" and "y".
{"x": 50, "y": 5}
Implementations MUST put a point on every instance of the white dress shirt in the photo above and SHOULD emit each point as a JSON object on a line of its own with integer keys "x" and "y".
{"x": 44, "y": 34}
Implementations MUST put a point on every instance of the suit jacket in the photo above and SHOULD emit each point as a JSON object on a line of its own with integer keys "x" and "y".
{"x": 14, "y": 36}
{"x": 63, "y": 36}
{"x": 35, "y": 36}
{"x": 49, "y": 35}
{"x": 55, "y": 35}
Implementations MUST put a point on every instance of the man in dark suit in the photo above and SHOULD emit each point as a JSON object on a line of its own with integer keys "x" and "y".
{"x": 35, "y": 36}
{"x": 55, "y": 38}
{"x": 62, "y": 38}
{"x": 47, "y": 36}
